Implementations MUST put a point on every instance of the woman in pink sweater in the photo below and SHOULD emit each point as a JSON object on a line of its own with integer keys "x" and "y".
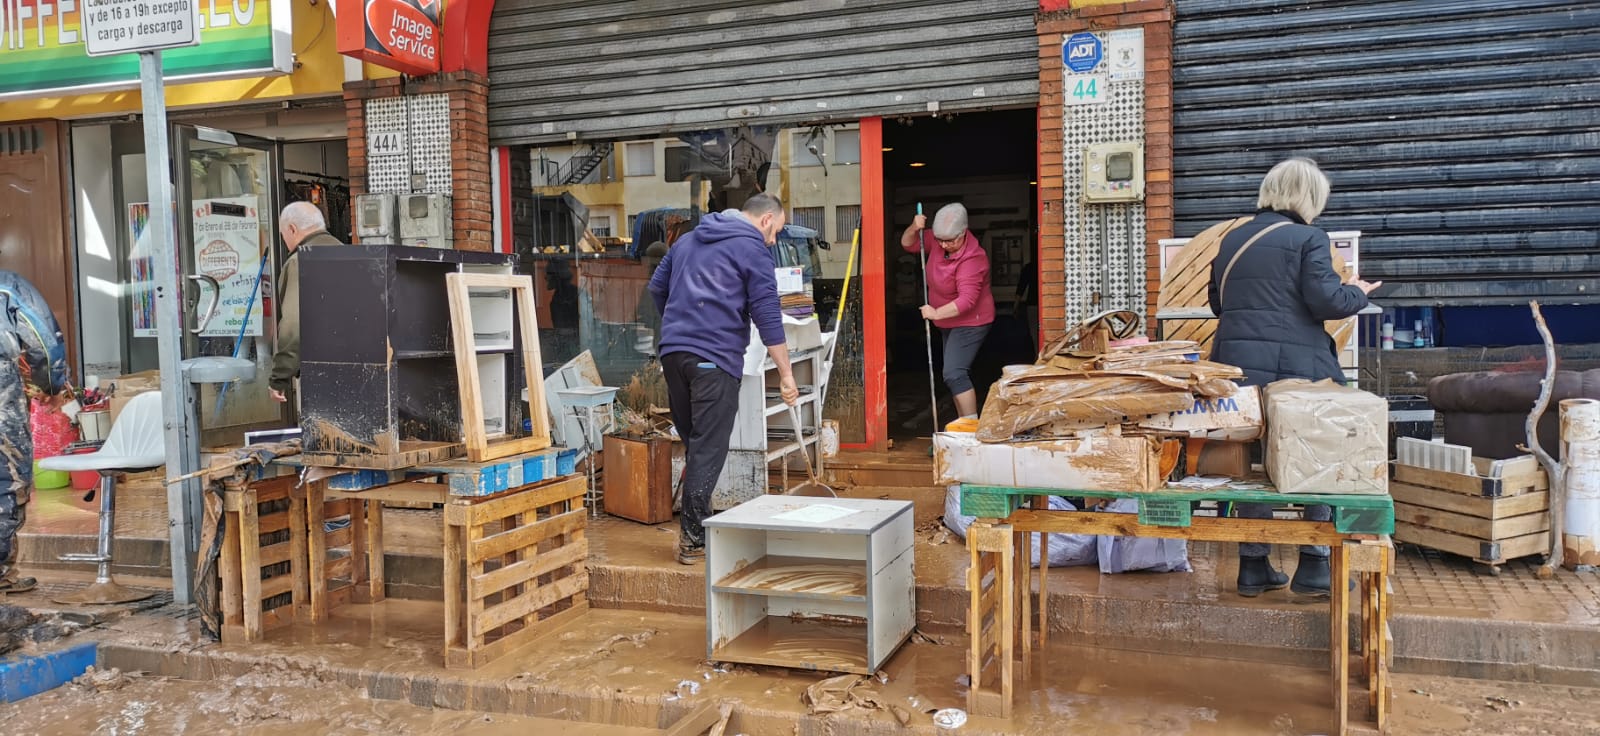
{"x": 960, "y": 301}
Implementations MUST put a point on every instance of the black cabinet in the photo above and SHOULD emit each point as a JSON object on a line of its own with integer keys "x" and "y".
{"x": 377, "y": 367}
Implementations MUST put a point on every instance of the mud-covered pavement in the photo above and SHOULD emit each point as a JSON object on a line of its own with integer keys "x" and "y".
{"x": 113, "y": 703}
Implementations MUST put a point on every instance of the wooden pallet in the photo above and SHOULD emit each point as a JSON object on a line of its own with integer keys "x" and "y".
{"x": 1187, "y": 281}
{"x": 514, "y": 569}
{"x": 263, "y": 563}
{"x": 481, "y": 445}
{"x": 1490, "y": 520}
{"x": 345, "y": 564}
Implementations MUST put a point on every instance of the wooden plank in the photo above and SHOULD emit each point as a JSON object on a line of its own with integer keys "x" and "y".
{"x": 455, "y": 591}
{"x": 250, "y": 565}
{"x": 276, "y": 554}
{"x": 404, "y": 492}
{"x": 697, "y": 722}
{"x": 1480, "y": 506}
{"x": 1369, "y": 556}
{"x": 412, "y": 454}
{"x": 317, "y": 554}
{"x": 974, "y": 615}
{"x": 375, "y": 572}
{"x": 498, "y": 544}
{"x": 340, "y": 538}
{"x": 465, "y": 345}
{"x": 533, "y": 363}
{"x": 1472, "y": 526}
{"x": 275, "y": 587}
{"x": 342, "y": 568}
{"x": 274, "y": 522}
{"x": 232, "y": 576}
{"x": 1210, "y": 529}
{"x": 1339, "y": 637}
{"x": 1008, "y": 626}
{"x": 461, "y": 658}
{"x": 1470, "y": 485}
{"x": 529, "y": 570}
{"x": 1220, "y": 495}
{"x": 493, "y": 617}
{"x": 299, "y": 564}
{"x": 1476, "y": 549}
{"x": 476, "y": 512}
{"x": 1383, "y": 647}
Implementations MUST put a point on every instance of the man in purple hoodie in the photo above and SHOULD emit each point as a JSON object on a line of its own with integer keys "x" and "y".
{"x": 712, "y": 284}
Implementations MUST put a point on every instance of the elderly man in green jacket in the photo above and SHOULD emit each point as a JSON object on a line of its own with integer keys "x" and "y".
{"x": 301, "y": 223}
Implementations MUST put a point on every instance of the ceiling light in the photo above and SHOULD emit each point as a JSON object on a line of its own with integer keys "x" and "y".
{"x": 917, "y": 164}
{"x": 887, "y": 149}
{"x": 1034, "y": 183}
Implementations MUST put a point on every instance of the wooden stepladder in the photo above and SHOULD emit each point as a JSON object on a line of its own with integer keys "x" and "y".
{"x": 483, "y": 310}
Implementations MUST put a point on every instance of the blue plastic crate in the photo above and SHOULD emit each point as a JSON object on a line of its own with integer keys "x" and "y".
{"x": 567, "y": 462}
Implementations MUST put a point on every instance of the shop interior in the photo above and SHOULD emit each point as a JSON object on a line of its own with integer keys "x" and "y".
{"x": 987, "y": 161}
{"x": 242, "y": 169}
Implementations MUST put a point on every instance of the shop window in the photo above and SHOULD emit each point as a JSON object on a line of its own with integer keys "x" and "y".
{"x": 592, "y": 292}
{"x": 815, "y": 218}
{"x": 846, "y": 147}
{"x": 641, "y": 159}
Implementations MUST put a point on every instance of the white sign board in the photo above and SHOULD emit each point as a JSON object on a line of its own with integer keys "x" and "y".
{"x": 386, "y": 143}
{"x": 126, "y": 26}
{"x": 227, "y": 247}
{"x": 1125, "y": 54}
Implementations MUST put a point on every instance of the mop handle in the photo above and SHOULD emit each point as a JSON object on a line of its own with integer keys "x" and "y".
{"x": 855, "y": 243}
{"x": 238, "y": 341}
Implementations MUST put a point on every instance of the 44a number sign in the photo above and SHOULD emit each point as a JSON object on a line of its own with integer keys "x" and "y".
{"x": 1085, "y": 89}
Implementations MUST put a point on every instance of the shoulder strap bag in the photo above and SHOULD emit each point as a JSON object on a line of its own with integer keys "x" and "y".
{"x": 1222, "y": 285}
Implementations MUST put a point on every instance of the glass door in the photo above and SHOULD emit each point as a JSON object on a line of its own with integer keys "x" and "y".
{"x": 228, "y": 201}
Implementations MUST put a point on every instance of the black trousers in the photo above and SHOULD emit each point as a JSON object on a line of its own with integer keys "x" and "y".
{"x": 704, "y": 401}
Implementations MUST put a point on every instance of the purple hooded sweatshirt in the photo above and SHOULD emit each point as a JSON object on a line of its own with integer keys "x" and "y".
{"x": 714, "y": 281}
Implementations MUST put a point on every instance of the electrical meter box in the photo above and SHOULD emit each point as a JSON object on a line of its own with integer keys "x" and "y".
{"x": 1113, "y": 172}
{"x": 425, "y": 220}
{"x": 376, "y": 219}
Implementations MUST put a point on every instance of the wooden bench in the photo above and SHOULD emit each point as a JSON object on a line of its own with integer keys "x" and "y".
{"x": 999, "y": 580}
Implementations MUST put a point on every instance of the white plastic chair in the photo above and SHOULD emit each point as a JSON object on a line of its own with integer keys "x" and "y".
{"x": 136, "y": 444}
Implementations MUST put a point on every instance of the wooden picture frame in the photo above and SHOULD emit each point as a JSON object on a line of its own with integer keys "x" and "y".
{"x": 481, "y": 446}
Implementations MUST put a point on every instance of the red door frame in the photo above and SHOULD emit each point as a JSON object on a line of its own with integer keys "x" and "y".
{"x": 873, "y": 316}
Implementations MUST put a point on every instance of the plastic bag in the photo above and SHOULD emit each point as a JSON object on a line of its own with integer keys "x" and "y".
{"x": 52, "y": 429}
{"x": 1127, "y": 554}
{"x": 1066, "y": 550}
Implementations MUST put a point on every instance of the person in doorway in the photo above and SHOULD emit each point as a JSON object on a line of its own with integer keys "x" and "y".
{"x": 300, "y": 224}
{"x": 713, "y": 282}
{"x": 1272, "y": 287}
{"x": 33, "y": 360}
{"x": 960, "y": 300}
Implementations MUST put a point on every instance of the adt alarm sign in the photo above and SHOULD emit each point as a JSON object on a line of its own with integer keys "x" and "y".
{"x": 1081, "y": 52}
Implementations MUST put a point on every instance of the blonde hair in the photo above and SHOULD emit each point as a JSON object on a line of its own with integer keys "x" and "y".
{"x": 1295, "y": 185}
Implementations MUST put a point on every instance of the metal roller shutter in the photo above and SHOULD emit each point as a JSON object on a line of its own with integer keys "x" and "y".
{"x": 1462, "y": 136}
{"x": 619, "y": 68}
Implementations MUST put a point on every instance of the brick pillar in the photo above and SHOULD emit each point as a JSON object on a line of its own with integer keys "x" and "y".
{"x": 448, "y": 141}
{"x": 1061, "y": 256}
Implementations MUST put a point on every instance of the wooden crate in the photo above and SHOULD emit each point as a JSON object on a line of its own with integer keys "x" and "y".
{"x": 514, "y": 568}
{"x": 263, "y": 562}
{"x": 1488, "y": 518}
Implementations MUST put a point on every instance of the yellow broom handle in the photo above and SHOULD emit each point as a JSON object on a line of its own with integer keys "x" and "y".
{"x": 855, "y": 241}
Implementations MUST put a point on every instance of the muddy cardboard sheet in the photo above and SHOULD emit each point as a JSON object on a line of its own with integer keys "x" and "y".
{"x": 1083, "y": 464}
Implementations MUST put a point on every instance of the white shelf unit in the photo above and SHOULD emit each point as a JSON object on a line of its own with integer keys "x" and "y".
{"x": 493, "y": 330}
{"x": 834, "y": 594}
{"x": 763, "y": 433}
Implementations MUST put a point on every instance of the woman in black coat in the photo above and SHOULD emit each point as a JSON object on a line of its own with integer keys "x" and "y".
{"x": 1272, "y": 287}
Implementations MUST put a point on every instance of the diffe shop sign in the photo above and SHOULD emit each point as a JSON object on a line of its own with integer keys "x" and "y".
{"x": 402, "y": 35}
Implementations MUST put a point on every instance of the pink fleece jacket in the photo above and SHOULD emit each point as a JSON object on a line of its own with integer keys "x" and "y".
{"x": 961, "y": 277}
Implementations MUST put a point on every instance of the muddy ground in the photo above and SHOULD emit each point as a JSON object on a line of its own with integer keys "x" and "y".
{"x": 111, "y": 702}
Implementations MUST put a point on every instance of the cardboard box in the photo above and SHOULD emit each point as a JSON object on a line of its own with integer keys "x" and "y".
{"x": 1083, "y": 464}
{"x": 1326, "y": 438}
{"x": 124, "y": 388}
{"x": 1236, "y": 418}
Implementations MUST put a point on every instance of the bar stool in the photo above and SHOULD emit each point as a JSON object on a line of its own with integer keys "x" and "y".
{"x": 136, "y": 444}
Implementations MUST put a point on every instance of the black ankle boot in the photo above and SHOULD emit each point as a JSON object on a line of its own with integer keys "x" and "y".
{"x": 1257, "y": 576}
{"x": 1312, "y": 576}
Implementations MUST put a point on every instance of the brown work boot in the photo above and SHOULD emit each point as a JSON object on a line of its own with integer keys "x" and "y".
{"x": 690, "y": 554}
